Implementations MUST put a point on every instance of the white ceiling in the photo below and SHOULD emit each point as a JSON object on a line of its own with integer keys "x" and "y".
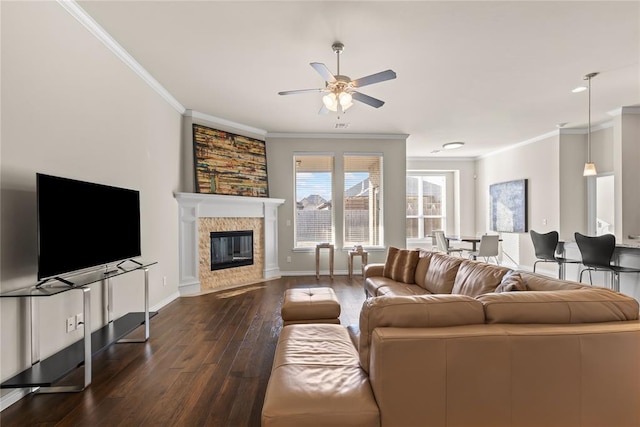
{"x": 490, "y": 74}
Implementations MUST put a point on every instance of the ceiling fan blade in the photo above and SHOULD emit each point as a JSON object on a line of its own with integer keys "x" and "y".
{"x": 324, "y": 110}
{"x": 374, "y": 78}
{"x": 323, "y": 71}
{"x": 366, "y": 99}
{"x": 294, "y": 92}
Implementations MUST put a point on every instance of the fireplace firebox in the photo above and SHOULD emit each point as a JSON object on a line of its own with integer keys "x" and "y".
{"x": 231, "y": 249}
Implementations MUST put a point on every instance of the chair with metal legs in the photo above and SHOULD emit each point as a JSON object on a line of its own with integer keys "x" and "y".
{"x": 488, "y": 248}
{"x": 443, "y": 244}
{"x": 545, "y": 246}
{"x": 597, "y": 253}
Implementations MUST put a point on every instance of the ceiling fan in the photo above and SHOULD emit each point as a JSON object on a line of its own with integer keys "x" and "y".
{"x": 341, "y": 90}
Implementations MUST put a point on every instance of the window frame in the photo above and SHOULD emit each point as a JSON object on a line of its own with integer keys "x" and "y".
{"x": 378, "y": 203}
{"x": 420, "y": 175}
{"x": 332, "y": 172}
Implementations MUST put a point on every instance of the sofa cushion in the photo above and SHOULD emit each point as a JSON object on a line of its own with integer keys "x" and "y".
{"x": 401, "y": 264}
{"x": 400, "y": 289}
{"x": 421, "y": 269}
{"x": 423, "y": 311}
{"x": 441, "y": 273}
{"x": 316, "y": 367}
{"x": 539, "y": 282}
{"x": 590, "y": 305}
{"x": 512, "y": 281}
{"x": 477, "y": 278}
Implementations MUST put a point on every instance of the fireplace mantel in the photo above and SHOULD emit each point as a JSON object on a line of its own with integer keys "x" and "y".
{"x": 192, "y": 206}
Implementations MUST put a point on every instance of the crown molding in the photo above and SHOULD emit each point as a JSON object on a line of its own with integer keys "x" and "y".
{"x": 338, "y": 135}
{"x": 584, "y": 131}
{"x": 521, "y": 144}
{"x": 101, "y": 34}
{"x": 557, "y": 132}
{"x": 440, "y": 159}
{"x": 624, "y": 110}
{"x": 223, "y": 122}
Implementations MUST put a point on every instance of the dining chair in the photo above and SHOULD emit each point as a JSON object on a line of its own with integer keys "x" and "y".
{"x": 545, "y": 246}
{"x": 442, "y": 244}
{"x": 597, "y": 254}
{"x": 488, "y": 248}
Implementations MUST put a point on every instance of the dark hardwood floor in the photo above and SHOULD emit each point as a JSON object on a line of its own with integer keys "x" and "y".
{"x": 207, "y": 363}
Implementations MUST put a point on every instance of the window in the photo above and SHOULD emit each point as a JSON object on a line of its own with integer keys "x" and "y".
{"x": 362, "y": 200}
{"x": 314, "y": 195}
{"x": 426, "y": 207}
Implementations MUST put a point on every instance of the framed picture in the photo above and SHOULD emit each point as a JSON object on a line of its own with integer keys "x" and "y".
{"x": 226, "y": 163}
{"x": 509, "y": 206}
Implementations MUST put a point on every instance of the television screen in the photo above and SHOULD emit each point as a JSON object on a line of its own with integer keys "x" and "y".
{"x": 82, "y": 224}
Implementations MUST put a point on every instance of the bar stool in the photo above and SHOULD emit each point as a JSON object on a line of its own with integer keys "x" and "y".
{"x": 331, "y": 252}
{"x": 545, "y": 246}
{"x": 597, "y": 253}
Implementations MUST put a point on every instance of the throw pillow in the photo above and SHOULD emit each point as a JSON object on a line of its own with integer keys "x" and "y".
{"x": 401, "y": 265}
{"x": 511, "y": 282}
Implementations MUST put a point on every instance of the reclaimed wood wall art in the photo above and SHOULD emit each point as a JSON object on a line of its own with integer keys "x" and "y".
{"x": 226, "y": 163}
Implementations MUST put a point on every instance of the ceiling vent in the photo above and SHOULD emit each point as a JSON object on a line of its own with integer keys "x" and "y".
{"x": 342, "y": 125}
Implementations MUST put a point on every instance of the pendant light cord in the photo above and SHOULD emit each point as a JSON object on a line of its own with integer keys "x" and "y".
{"x": 589, "y": 126}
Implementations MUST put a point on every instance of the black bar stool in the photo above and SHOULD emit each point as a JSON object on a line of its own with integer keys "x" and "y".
{"x": 545, "y": 246}
{"x": 597, "y": 253}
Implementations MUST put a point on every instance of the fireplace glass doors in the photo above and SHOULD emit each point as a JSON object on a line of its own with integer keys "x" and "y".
{"x": 231, "y": 249}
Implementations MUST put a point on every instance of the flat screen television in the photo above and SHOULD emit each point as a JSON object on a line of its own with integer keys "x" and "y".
{"x": 84, "y": 224}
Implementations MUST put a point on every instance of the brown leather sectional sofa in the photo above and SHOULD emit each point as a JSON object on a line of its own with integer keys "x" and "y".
{"x": 443, "y": 348}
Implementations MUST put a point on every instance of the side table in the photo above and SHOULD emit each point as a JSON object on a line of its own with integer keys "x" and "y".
{"x": 331, "y": 251}
{"x": 364, "y": 257}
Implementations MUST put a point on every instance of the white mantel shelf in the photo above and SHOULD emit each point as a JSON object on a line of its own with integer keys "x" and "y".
{"x": 192, "y": 206}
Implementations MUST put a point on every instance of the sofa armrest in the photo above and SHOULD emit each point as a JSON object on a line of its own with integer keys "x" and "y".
{"x": 373, "y": 270}
{"x": 423, "y": 311}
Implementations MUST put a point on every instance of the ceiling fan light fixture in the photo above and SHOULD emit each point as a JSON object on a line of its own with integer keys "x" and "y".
{"x": 452, "y": 145}
{"x": 345, "y": 99}
{"x": 330, "y": 101}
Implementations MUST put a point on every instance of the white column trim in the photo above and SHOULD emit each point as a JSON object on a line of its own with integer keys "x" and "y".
{"x": 192, "y": 206}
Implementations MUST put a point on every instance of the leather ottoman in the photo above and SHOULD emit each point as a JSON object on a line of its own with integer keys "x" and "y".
{"x": 310, "y": 305}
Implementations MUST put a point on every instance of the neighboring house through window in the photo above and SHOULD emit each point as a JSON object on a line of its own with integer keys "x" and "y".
{"x": 314, "y": 195}
{"x": 360, "y": 204}
{"x": 362, "y": 199}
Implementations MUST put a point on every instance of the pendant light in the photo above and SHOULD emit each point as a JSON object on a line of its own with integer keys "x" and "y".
{"x": 589, "y": 167}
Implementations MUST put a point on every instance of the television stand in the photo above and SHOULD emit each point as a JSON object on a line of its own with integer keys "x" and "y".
{"x": 59, "y": 279}
{"x": 42, "y": 375}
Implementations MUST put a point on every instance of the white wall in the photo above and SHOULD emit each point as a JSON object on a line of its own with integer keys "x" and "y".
{"x": 71, "y": 108}
{"x": 539, "y": 163}
{"x": 280, "y": 151}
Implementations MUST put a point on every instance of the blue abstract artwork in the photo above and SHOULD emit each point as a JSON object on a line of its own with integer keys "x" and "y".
{"x": 508, "y": 210}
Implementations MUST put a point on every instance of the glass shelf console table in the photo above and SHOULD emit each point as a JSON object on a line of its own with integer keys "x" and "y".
{"x": 44, "y": 373}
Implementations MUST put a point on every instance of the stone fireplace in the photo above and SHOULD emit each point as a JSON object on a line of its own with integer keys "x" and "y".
{"x": 200, "y": 215}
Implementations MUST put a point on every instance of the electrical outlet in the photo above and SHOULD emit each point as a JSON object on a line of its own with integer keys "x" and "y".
{"x": 71, "y": 324}
{"x": 79, "y": 319}
{"x": 544, "y": 222}
{"x": 288, "y": 259}
{"x": 164, "y": 280}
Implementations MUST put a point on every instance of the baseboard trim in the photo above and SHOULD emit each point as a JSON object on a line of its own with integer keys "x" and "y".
{"x": 165, "y": 301}
{"x": 356, "y": 272}
{"x": 12, "y": 397}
